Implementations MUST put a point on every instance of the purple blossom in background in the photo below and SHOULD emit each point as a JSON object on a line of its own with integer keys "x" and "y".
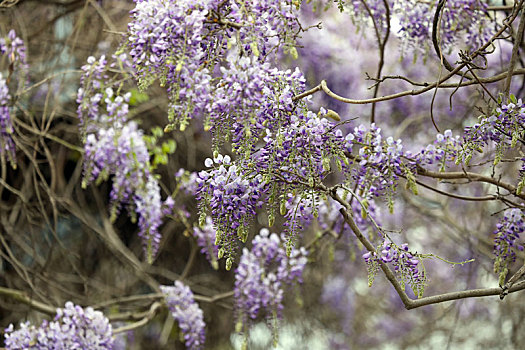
{"x": 374, "y": 10}
{"x": 72, "y": 328}
{"x": 186, "y": 312}
{"x": 263, "y": 273}
{"x": 506, "y": 240}
{"x": 460, "y": 19}
{"x": 187, "y": 181}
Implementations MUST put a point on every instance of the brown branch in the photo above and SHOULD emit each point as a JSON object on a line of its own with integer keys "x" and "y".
{"x": 515, "y": 50}
{"x": 407, "y": 301}
{"x": 25, "y": 299}
{"x": 147, "y": 316}
{"x": 454, "y": 175}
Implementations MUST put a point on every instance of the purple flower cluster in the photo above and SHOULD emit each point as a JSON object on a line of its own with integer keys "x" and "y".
{"x": 374, "y": 10}
{"x": 378, "y": 163}
{"x": 179, "y": 299}
{"x": 459, "y": 18}
{"x": 231, "y": 197}
{"x": 91, "y": 93}
{"x": 170, "y": 41}
{"x": 266, "y": 24}
{"x": 406, "y": 264}
{"x": 504, "y": 129}
{"x": 114, "y": 147}
{"x": 206, "y": 236}
{"x": 445, "y": 149}
{"x": 166, "y": 41}
{"x": 262, "y": 275}
{"x": 507, "y": 234}
{"x": 269, "y": 92}
{"x": 13, "y": 47}
{"x": 72, "y": 328}
{"x": 7, "y": 146}
{"x": 239, "y": 95}
{"x": 300, "y": 152}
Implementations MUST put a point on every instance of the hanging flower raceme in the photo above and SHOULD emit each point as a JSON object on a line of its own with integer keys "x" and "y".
{"x": 206, "y": 236}
{"x": 72, "y": 328}
{"x": 503, "y": 129}
{"x": 115, "y": 147}
{"x": 263, "y": 274}
{"x": 507, "y": 240}
{"x": 167, "y": 42}
{"x": 406, "y": 264}
{"x": 7, "y": 145}
{"x": 14, "y": 49}
{"x": 186, "y": 312}
{"x": 231, "y": 197}
{"x": 252, "y": 98}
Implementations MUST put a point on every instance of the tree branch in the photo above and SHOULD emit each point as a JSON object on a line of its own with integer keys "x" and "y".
{"x": 407, "y": 301}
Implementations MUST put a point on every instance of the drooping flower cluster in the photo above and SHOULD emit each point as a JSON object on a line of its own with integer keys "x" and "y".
{"x": 262, "y": 275}
{"x": 505, "y": 129}
{"x": 406, "y": 265}
{"x": 171, "y": 41}
{"x": 72, "y": 328}
{"x": 14, "y": 49}
{"x": 445, "y": 150}
{"x": 273, "y": 108}
{"x": 301, "y": 151}
{"x": 231, "y": 197}
{"x": 206, "y": 236}
{"x": 180, "y": 301}
{"x": 114, "y": 147}
{"x": 267, "y": 24}
{"x": 7, "y": 145}
{"x": 166, "y": 43}
{"x": 506, "y": 240}
{"x": 377, "y": 163}
{"x": 371, "y": 10}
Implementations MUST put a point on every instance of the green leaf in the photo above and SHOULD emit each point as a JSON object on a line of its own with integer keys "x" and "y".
{"x": 138, "y": 97}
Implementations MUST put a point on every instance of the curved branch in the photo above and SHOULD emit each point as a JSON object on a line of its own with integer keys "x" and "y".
{"x": 148, "y": 316}
{"x": 435, "y": 32}
{"x": 407, "y": 301}
{"x": 454, "y": 175}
